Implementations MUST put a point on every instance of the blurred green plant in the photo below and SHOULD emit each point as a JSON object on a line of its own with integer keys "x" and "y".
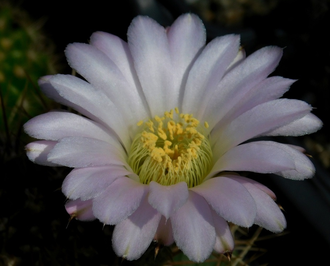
{"x": 25, "y": 56}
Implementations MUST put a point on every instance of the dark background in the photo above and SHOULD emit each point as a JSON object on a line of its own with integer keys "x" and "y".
{"x": 33, "y": 220}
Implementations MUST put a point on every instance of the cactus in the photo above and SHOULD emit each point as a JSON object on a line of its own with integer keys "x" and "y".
{"x": 24, "y": 57}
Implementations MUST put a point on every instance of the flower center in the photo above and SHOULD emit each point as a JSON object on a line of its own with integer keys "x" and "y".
{"x": 171, "y": 149}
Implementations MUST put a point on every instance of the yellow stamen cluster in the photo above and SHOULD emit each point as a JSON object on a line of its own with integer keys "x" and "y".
{"x": 171, "y": 149}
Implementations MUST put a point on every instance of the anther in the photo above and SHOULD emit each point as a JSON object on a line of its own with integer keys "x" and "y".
{"x": 171, "y": 150}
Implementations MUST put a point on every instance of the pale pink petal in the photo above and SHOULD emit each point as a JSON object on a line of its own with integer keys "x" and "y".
{"x": 239, "y": 81}
{"x": 84, "y": 152}
{"x": 267, "y": 90}
{"x": 38, "y": 151}
{"x": 258, "y": 156}
{"x": 304, "y": 168}
{"x": 119, "y": 200}
{"x": 50, "y": 91}
{"x": 224, "y": 241}
{"x": 148, "y": 43}
{"x": 78, "y": 94}
{"x": 240, "y": 56}
{"x": 207, "y": 71}
{"x": 305, "y": 125}
{"x": 132, "y": 237}
{"x": 57, "y": 125}
{"x": 117, "y": 51}
{"x": 167, "y": 199}
{"x": 298, "y": 148}
{"x": 103, "y": 74}
{"x": 257, "y": 121}
{"x": 80, "y": 210}
{"x": 87, "y": 183}
{"x": 229, "y": 199}
{"x": 193, "y": 229}
{"x": 243, "y": 180}
{"x": 269, "y": 215}
{"x": 81, "y": 96}
{"x": 186, "y": 37}
{"x": 164, "y": 234}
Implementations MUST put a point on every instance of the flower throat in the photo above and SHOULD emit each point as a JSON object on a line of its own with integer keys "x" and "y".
{"x": 171, "y": 149}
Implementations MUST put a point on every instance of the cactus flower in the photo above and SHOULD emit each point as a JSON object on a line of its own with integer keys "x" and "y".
{"x": 164, "y": 129}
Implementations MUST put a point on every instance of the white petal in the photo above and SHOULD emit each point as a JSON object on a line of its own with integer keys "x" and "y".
{"x": 229, "y": 199}
{"x": 269, "y": 215}
{"x": 81, "y": 210}
{"x": 207, "y": 71}
{"x": 81, "y": 96}
{"x": 258, "y": 156}
{"x": 58, "y": 125}
{"x": 87, "y": 183}
{"x": 118, "y": 201}
{"x": 240, "y": 56}
{"x": 298, "y": 148}
{"x": 186, "y": 37}
{"x": 149, "y": 47}
{"x": 305, "y": 125}
{"x": 132, "y": 237}
{"x": 117, "y": 51}
{"x": 267, "y": 90}
{"x": 167, "y": 199}
{"x": 257, "y": 121}
{"x": 239, "y": 81}
{"x": 164, "y": 234}
{"x": 103, "y": 74}
{"x": 258, "y": 185}
{"x": 193, "y": 229}
{"x": 224, "y": 241}
{"x": 84, "y": 152}
{"x": 304, "y": 168}
{"x": 38, "y": 151}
